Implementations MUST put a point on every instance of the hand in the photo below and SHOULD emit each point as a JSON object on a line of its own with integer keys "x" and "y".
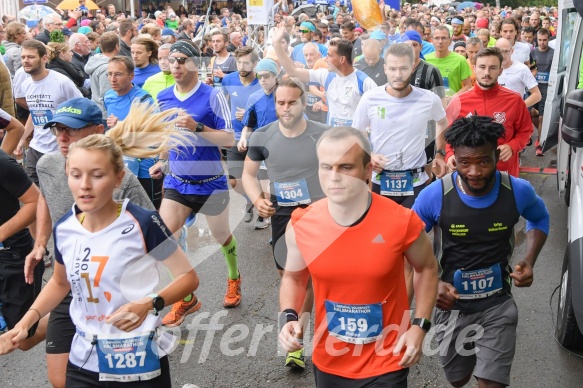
{"x": 240, "y": 113}
{"x": 505, "y": 152}
{"x": 264, "y": 207}
{"x": 157, "y": 170}
{"x": 131, "y": 315}
{"x": 242, "y": 144}
{"x": 451, "y": 166}
{"x": 278, "y": 33}
{"x": 317, "y": 107}
{"x": 31, "y": 261}
{"x": 218, "y": 73}
{"x": 378, "y": 162}
{"x": 523, "y": 274}
{"x": 19, "y": 148}
{"x": 10, "y": 340}
{"x": 184, "y": 120}
{"x": 413, "y": 340}
{"x": 111, "y": 121}
{"x": 287, "y": 336}
{"x": 439, "y": 166}
{"x": 209, "y": 81}
{"x": 446, "y": 296}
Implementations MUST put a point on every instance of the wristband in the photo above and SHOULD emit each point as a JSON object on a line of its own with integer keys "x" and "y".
{"x": 291, "y": 315}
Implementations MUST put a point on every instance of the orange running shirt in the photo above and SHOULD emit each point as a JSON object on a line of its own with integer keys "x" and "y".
{"x": 359, "y": 265}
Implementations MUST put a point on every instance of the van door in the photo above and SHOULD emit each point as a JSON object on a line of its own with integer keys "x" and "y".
{"x": 563, "y": 78}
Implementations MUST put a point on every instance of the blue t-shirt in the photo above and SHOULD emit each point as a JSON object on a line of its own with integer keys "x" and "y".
{"x": 141, "y": 75}
{"x": 238, "y": 96}
{"x": 427, "y": 48}
{"x": 530, "y": 206}
{"x": 298, "y": 53}
{"x": 120, "y": 106}
{"x": 202, "y": 159}
{"x": 262, "y": 106}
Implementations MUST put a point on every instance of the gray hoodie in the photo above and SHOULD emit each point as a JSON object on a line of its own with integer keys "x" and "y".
{"x": 96, "y": 67}
{"x": 12, "y": 57}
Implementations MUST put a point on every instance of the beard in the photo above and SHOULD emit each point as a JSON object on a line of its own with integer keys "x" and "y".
{"x": 488, "y": 85}
{"x": 481, "y": 190}
{"x": 244, "y": 74}
{"x": 292, "y": 123}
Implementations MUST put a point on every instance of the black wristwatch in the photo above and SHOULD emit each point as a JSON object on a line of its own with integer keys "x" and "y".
{"x": 157, "y": 302}
{"x": 199, "y": 127}
{"x": 423, "y": 323}
{"x": 442, "y": 152}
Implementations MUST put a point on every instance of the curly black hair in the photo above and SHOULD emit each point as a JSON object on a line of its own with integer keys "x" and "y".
{"x": 474, "y": 131}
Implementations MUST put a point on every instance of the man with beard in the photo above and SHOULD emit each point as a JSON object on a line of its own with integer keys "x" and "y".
{"x": 543, "y": 56}
{"x": 44, "y": 90}
{"x": 475, "y": 211}
{"x": 238, "y": 87}
{"x": 294, "y": 180}
{"x": 396, "y": 116}
{"x": 487, "y": 98}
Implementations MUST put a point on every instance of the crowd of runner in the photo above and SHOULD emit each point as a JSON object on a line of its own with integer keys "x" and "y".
{"x": 352, "y": 144}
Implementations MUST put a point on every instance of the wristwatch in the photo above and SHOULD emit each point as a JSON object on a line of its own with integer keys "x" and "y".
{"x": 442, "y": 152}
{"x": 157, "y": 302}
{"x": 423, "y": 323}
{"x": 199, "y": 127}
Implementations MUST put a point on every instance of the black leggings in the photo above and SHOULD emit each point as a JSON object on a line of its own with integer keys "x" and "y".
{"x": 153, "y": 188}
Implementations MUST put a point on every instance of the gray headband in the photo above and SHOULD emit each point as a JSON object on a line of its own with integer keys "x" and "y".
{"x": 184, "y": 48}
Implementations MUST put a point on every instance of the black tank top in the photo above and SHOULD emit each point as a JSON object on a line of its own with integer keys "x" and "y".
{"x": 471, "y": 238}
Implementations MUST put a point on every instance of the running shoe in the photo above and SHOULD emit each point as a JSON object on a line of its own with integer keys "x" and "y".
{"x": 539, "y": 151}
{"x": 248, "y": 213}
{"x": 182, "y": 240}
{"x": 191, "y": 220}
{"x": 296, "y": 359}
{"x": 529, "y": 142}
{"x": 233, "y": 295}
{"x": 180, "y": 310}
{"x": 261, "y": 223}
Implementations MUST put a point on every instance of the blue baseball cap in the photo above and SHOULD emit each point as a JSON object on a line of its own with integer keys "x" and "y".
{"x": 378, "y": 34}
{"x": 67, "y": 31}
{"x": 410, "y": 35}
{"x": 168, "y": 32}
{"x": 76, "y": 113}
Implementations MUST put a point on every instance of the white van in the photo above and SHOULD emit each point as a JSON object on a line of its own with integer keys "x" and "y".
{"x": 563, "y": 126}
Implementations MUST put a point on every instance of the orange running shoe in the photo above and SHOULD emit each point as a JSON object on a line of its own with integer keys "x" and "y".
{"x": 180, "y": 310}
{"x": 233, "y": 295}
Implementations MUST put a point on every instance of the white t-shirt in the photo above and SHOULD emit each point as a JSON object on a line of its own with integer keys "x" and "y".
{"x": 42, "y": 98}
{"x": 18, "y": 82}
{"x": 398, "y": 125}
{"x": 517, "y": 78}
{"x": 521, "y": 52}
{"x": 342, "y": 94}
{"x": 108, "y": 269}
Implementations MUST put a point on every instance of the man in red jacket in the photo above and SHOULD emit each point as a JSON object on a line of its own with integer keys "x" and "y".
{"x": 487, "y": 98}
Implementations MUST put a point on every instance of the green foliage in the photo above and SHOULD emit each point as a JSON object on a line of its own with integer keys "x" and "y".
{"x": 57, "y": 36}
{"x": 529, "y": 3}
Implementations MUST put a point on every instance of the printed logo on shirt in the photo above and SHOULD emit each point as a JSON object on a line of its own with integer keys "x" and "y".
{"x": 348, "y": 90}
{"x": 469, "y": 114}
{"x": 128, "y": 229}
{"x": 378, "y": 240}
{"x": 235, "y": 94}
{"x": 500, "y": 117}
{"x": 381, "y": 112}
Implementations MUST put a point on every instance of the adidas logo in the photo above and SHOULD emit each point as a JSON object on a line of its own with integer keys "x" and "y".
{"x": 378, "y": 240}
{"x": 235, "y": 94}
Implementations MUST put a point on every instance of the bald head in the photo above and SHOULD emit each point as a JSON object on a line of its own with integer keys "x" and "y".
{"x": 506, "y": 48}
{"x": 371, "y": 49}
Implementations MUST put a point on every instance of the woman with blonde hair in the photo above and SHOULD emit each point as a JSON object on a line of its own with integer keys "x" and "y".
{"x": 60, "y": 56}
{"x": 107, "y": 255}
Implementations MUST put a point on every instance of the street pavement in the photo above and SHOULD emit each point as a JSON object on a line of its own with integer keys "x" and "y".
{"x": 238, "y": 347}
